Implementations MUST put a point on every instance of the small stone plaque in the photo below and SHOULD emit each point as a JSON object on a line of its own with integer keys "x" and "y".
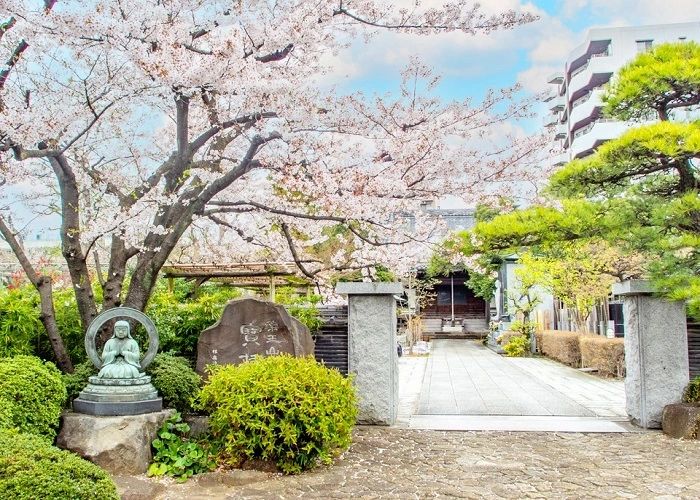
{"x": 252, "y": 327}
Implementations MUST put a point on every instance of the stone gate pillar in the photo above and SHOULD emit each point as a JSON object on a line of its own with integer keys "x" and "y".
{"x": 372, "y": 349}
{"x": 656, "y": 352}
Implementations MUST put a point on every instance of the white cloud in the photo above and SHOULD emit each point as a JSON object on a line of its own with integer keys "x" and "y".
{"x": 534, "y": 79}
{"x": 452, "y": 54}
{"x": 638, "y": 12}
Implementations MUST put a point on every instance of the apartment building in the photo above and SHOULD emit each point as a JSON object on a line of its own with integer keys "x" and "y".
{"x": 575, "y": 102}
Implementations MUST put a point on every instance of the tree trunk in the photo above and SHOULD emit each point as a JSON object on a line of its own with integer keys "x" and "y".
{"x": 116, "y": 273}
{"x": 70, "y": 239}
{"x": 43, "y": 286}
{"x": 48, "y": 319}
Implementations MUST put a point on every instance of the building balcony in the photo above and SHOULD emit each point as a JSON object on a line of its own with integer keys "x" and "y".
{"x": 557, "y": 104}
{"x": 559, "y": 159}
{"x": 586, "y": 107}
{"x": 556, "y": 79}
{"x": 551, "y": 119}
{"x": 589, "y": 49}
{"x": 584, "y": 75}
{"x": 585, "y": 140}
{"x": 551, "y": 95}
{"x": 561, "y": 131}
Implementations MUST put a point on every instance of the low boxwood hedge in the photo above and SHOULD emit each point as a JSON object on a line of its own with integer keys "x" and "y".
{"x": 34, "y": 394}
{"x": 30, "y": 469}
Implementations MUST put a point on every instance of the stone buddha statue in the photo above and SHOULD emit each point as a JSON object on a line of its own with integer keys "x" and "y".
{"x": 120, "y": 387}
{"x": 120, "y": 356}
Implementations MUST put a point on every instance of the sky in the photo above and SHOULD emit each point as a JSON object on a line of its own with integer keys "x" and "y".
{"x": 525, "y": 55}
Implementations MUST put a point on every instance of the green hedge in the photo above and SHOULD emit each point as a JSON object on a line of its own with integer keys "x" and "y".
{"x": 175, "y": 380}
{"x": 32, "y": 469}
{"x": 292, "y": 411}
{"x": 78, "y": 380}
{"x": 34, "y": 393}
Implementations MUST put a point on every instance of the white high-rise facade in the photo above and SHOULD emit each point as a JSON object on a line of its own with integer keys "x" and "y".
{"x": 575, "y": 106}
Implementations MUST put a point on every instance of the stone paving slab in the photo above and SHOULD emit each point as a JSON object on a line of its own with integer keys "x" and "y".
{"x": 390, "y": 462}
{"x": 466, "y": 378}
{"x": 521, "y": 423}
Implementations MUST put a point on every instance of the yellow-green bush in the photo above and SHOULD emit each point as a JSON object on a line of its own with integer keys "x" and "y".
{"x": 517, "y": 346}
{"x": 30, "y": 468}
{"x": 562, "y": 346}
{"x": 34, "y": 393}
{"x": 505, "y": 337}
{"x": 20, "y": 327}
{"x": 605, "y": 355}
{"x": 292, "y": 411}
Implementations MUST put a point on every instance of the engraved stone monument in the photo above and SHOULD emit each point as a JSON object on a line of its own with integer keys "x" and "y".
{"x": 252, "y": 327}
{"x": 121, "y": 387}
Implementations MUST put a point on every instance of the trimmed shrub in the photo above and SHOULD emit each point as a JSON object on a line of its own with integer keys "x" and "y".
{"x": 605, "y": 355}
{"x": 517, "y": 346}
{"x": 506, "y": 337}
{"x": 5, "y": 415}
{"x": 539, "y": 341}
{"x": 30, "y": 468}
{"x": 78, "y": 380}
{"x": 562, "y": 346}
{"x": 35, "y": 392}
{"x": 175, "y": 380}
{"x": 291, "y": 411}
{"x": 691, "y": 394}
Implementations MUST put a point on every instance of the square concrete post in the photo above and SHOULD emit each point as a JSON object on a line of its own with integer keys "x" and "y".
{"x": 372, "y": 349}
{"x": 656, "y": 352}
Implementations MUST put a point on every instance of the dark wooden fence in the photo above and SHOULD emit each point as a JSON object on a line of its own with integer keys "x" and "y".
{"x": 332, "y": 338}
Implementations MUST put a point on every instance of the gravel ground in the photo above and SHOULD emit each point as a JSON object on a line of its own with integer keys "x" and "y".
{"x": 403, "y": 463}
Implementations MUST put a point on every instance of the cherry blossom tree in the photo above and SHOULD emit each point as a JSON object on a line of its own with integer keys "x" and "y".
{"x": 143, "y": 119}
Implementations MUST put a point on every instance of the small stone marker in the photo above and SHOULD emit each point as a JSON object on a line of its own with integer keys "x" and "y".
{"x": 252, "y": 327}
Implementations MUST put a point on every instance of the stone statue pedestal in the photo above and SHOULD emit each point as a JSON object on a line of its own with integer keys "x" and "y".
{"x": 121, "y": 445}
{"x": 118, "y": 397}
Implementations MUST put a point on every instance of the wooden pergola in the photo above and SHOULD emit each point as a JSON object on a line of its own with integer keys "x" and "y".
{"x": 250, "y": 275}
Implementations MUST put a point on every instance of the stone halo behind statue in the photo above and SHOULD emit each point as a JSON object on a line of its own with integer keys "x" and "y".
{"x": 120, "y": 388}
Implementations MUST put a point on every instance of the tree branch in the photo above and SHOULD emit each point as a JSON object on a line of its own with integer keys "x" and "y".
{"x": 6, "y": 26}
{"x": 16, "y": 54}
{"x": 508, "y": 20}
{"x": 245, "y": 120}
{"x": 295, "y": 255}
{"x": 197, "y": 50}
{"x": 277, "y": 55}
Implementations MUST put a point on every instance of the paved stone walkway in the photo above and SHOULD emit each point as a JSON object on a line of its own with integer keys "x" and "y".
{"x": 467, "y": 378}
{"x": 406, "y": 463}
